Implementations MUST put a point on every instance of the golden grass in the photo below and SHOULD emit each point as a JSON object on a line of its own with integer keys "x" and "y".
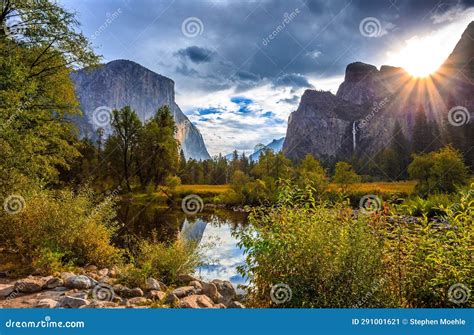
{"x": 384, "y": 187}
{"x": 203, "y": 188}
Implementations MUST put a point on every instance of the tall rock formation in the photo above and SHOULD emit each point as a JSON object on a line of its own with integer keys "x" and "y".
{"x": 361, "y": 117}
{"x": 120, "y": 83}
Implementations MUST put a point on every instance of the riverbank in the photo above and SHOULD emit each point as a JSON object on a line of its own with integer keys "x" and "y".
{"x": 100, "y": 288}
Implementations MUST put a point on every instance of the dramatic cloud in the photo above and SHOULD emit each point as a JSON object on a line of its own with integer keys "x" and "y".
{"x": 268, "y": 51}
{"x": 196, "y": 54}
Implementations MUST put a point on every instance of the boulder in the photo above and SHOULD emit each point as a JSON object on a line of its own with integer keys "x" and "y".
{"x": 66, "y": 275}
{"x": 131, "y": 292}
{"x": 72, "y": 302}
{"x": 156, "y": 295}
{"x": 225, "y": 289}
{"x": 47, "y": 303}
{"x": 153, "y": 284}
{"x": 79, "y": 282}
{"x": 6, "y": 290}
{"x": 139, "y": 301}
{"x": 183, "y": 291}
{"x": 29, "y": 285}
{"x": 196, "y": 301}
{"x": 171, "y": 299}
{"x": 235, "y": 304}
{"x": 53, "y": 282}
{"x": 100, "y": 304}
{"x": 103, "y": 272}
{"x": 211, "y": 291}
{"x": 197, "y": 285}
{"x": 185, "y": 279}
{"x": 220, "y": 306}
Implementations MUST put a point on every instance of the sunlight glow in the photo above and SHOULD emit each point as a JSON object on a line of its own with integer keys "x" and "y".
{"x": 421, "y": 56}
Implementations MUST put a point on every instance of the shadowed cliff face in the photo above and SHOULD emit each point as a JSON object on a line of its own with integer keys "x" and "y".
{"x": 121, "y": 83}
{"x": 370, "y": 101}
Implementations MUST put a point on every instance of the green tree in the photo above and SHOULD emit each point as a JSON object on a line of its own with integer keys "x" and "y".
{"x": 421, "y": 132}
{"x": 157, "y": 154}
{"x": 344, "y": 175}
{"x": 441, "y": 170}
{"x": 126, "y": 130}
{"x": 311, "y": 173}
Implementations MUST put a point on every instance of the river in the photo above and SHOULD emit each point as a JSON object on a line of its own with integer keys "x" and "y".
{"x": 212, "y": 229}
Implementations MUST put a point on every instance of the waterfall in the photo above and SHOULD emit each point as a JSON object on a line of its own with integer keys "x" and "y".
{"x": 354, "y": 135}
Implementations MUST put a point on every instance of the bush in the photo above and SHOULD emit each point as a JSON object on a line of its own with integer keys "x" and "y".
{"x": 438, "y": 171}
{"x": 435, "y": 256}
{"x": 161, "y": 261}
{"x": 326, "y": 257}
{"x": 61, "y": 228}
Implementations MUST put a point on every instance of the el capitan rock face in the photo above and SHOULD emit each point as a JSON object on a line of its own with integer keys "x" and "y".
{"x": 121, "y": 83}
{"x": 361, "y": 117}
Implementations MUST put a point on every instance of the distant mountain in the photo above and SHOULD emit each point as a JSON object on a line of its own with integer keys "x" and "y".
{"x": 361, "y": 117}
{"x": 276, "y": 145}
{"x": 121, "y": 82}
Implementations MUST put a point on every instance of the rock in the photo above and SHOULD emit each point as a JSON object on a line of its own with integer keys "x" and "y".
{"x": 72, "y": 302}
{"x": 186, "y": 279}
{"x": 91, "y": 268}
{"x": 29, "y": 285}
{"x": 47, "y": 303}
{"x": 196, "y": 301}
{"x": 220, "y": 306}
{"x": 6, "y": 290}
{"x": 131, "y": 292}
{"x": 156, "y": 295}
{"x": 153, "y": 284}
{"x": 103, "y": 272}
{"x": 113, "y": 85}
{"x": 66, "y": 275}
{"x": 53, "y": 282}
{"x": 3, "y": 274}
{"x": 100, "y": 304}
{"x": 226, "y": 289}
{"x": 183, "y": 291}
{"x": 235, "y": 304}
{"x": 211, "y": 291}
{"x": 118, "y": 288}
{"x": 79, "y": 282}
{"x": 139, "y": 301}
{"x": 197, "y": 285}
{"x": 171, "y": 299}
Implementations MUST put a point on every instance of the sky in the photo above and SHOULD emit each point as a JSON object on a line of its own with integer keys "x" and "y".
{"x": 240, "y": 67}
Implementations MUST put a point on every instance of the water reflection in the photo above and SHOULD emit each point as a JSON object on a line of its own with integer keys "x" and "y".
{"x": 212, "y": 229}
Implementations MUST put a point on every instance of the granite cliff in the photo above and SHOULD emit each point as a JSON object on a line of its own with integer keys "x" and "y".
{"x": 122, "y": 82}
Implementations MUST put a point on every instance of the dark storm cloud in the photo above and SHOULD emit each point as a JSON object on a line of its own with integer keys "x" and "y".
{"x": 316, "y": 38}
{"x": 196, "y": 54}
{"x": 293, "y": 80}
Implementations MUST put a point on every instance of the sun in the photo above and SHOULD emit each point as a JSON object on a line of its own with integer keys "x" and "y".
{"x": 420, "y": 57}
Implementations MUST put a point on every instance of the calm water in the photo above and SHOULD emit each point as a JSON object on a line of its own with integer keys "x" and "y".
{"x": 212, "y": 229}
